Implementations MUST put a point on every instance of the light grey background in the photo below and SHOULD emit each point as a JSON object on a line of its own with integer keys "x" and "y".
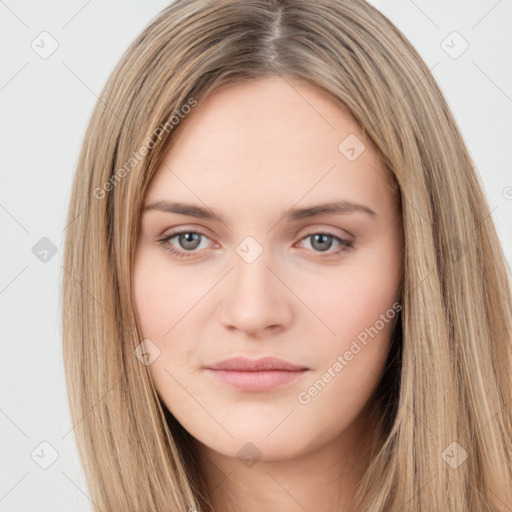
{"x": 45, "y": 105}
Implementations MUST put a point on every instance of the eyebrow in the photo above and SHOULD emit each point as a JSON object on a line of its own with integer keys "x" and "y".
{"x": 293, "y": 214}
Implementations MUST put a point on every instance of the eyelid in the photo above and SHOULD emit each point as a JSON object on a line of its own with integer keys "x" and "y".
{"x": 310, "y": 230}
{"x": 186, "y": 228}
{"x": 319, "y": 228}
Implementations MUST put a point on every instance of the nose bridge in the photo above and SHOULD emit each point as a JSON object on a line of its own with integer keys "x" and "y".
{"x": 255, "y": 299}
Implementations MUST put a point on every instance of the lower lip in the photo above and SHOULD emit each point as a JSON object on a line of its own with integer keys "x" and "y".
{"x": 257, "y": 380}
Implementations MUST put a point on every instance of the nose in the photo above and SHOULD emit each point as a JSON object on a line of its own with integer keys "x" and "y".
{"x": 256, "y": 301}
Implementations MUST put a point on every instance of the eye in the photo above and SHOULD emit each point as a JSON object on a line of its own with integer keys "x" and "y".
{"x": 322, "y": 242}
{"x": 189, "y": 240}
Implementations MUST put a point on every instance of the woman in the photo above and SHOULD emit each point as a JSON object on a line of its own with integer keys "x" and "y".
{"x": 283, "y": 285}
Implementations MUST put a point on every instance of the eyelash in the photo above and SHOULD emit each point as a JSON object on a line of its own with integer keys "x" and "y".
{"x": 346, "y": 245}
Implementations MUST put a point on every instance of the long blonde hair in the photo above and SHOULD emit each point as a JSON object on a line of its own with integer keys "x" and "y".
{"x": 446, "y": 394}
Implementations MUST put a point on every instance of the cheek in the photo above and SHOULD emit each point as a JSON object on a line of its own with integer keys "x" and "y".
{"x": 163, "y": 294}
{"x": 154, "y": 310}
{"x": 163, "y": 297}
{"x": 361, "y": 310}
{"x": 352, "y": 297}
{"x": 356, "y": 350}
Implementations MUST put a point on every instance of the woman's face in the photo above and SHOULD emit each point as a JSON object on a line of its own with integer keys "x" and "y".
{"x": 268, "y": 274}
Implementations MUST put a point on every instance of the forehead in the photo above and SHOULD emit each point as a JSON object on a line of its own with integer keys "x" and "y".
{"x": 269, "y": 142}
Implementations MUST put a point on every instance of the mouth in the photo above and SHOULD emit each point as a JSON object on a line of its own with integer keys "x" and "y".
{"x": 259, "y": 380}
{"x": 258, "y": 375}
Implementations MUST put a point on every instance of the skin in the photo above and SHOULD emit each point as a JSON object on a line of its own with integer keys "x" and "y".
{"x": 250, "y": 152}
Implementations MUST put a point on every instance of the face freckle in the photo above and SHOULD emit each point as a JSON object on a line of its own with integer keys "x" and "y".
{"x": 249, "y": 163}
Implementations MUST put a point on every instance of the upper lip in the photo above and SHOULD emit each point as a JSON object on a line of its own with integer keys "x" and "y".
{"x": 246, "y": 364}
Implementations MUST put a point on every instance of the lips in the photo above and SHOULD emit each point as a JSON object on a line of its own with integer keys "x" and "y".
{"x": 257, "y": 375}
{"x": 244, "y": 364}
